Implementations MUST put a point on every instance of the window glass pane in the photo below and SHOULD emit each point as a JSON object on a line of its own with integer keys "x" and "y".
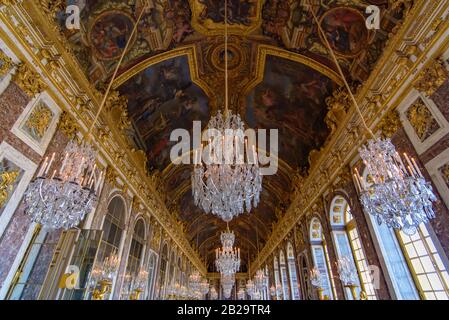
{"x": 321, "y": 265}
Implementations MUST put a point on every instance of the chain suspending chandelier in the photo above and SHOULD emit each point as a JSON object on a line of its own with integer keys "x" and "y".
{"x": 399, "y": 196}
{"x": 225, "y": 182}
{"x": 62, "y": 198}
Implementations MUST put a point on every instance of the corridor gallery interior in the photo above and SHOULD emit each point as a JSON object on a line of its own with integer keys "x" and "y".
{"x": 224, "y": 150}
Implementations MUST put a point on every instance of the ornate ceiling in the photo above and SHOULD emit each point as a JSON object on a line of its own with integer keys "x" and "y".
{"x": 281, "y": 77}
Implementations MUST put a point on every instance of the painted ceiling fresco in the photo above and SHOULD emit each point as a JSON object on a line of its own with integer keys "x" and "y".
{"x": 163, "y": 98}
{"x": 282, "y": 91}
{"x": 106, "y": 26}
{"x": 291, "y": 98}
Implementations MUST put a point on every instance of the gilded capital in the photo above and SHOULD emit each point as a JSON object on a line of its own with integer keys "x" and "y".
{"x": 29, "y": 80}
{"x": 390, "y": 124}
{"x": 431, "y": 78}
{"x": 68, "y": 125}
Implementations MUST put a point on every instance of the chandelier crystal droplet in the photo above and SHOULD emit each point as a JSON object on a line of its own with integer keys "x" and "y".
{"x": 62, "y": 198}
{"x": 396, "y": 192}
{"x": 226, "y": 180}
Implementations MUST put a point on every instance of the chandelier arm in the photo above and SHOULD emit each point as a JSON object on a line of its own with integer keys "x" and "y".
{"x": 342, "y": 75}
{"x": 103, "y": 102}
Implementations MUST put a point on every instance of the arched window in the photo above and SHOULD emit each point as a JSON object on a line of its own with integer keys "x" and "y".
{"x": 163, "y": 270}
{"x": 292, "y": 272}
{"x": 321, "y": 258}
{"x": 135, "y": 256}
{"x": 415, "y": 266}
{"x": 151, "y": 274}
{"x": 113, "y": 226}
{"x": 179, "y": 271}
{"x": 348, "y": 245}
{"x": 304, "y": 271}
{"x": 284, "y": 276}
{"x": 171, "y": 270}
{"x": 276, "y": 277}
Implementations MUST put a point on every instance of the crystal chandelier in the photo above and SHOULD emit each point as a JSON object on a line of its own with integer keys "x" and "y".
{"x": 141, "y": 280}
{"x": 315, "y": 278}
{"x": 250, "y": 288}
{"x": 260, "y": 280}
{"x": 213, "y": 294}
{"x": 204, "y": 287}
{"x": 241, "y": 294}
{"x": 61, "y": 198}
{"x": 398, "y": 196}
{"x": 227, "y": 283}
{"x": 347, "y": 271}
{"x": 227, "y": 183}
{"x": 195, "y": 281}
{"x": 228, "y": 258}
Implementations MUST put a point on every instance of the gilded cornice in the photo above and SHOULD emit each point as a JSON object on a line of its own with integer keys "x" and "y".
{"x": 390, "y": 80}
{"x": 35, "y": 38}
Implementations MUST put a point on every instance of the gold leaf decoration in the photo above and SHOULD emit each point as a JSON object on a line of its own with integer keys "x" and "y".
{"x": 422, "y": 120}
{"x": 390, "y": 124}
{"x": 7, "y": 180}
{"x": 29, "y": 81}
{"x": 338, "y": 105}
{"x": 6, "y": 63}
{"x": 68, "y": 125}
{"x": 431, "y": 78}
{"x": 39, "y": 120}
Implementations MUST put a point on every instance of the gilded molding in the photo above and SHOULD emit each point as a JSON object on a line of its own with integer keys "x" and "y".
{"x": 6, "y": 63}
{"x": 431, "y": 78}
{"x": 68, "y": 125}
{"x": 390, "y": 124}
{"x": 29, "y": 80}
{"x": 7, "y": 180}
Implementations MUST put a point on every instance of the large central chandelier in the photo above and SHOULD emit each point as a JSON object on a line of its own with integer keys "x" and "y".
{"x": 224, "y": 181}
{"x": 61, "y": 198}
{"x": 227, "y": 258}
{"x": 397, "y": 193}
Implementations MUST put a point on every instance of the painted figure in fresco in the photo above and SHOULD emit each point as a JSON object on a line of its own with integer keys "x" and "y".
{"x": 345, "y": 30}
{"x": 110, "y": 34}
{"x": 163, "y": 98}
{"x": 291, "y": 99}
{"x": 239, "y": 11}
{"x": 178, "y": 12}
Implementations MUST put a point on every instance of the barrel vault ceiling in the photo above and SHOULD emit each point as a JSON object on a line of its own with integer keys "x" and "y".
{"x": 280, "y": 77}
